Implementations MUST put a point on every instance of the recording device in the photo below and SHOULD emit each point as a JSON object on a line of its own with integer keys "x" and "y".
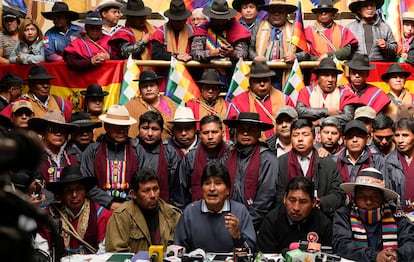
{"x": 242, "y": 254}
{"x": 156, "y": 253}
{"x": 175, "y": 250}
{"x": 305, "y": 246}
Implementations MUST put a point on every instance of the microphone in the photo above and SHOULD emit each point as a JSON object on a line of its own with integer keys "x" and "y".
{"x": 305, "y": 246}
{"x": 175, "y": 250}
{"x": 156, "y": 253}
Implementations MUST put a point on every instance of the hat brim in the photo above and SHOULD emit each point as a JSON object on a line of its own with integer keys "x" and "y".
{"x": 385, "y": 77}
{"x": 118, "y": 122}
{"x": 232, "y": 123}
{"x": 359, "y": 67}
{"x": 407, "y": 19}
{"x": 114, "y": 4}
{"x": 207, "y": 11}
{"x": 260, "y": 75}
{"x": 87, "y": 124}
{"x": 209, "y": 82}
{"x": 39, "y": 125}
{"x": 350, "y": 188}
{"x": 144, "y": 12}
{"x": 325, "y": 9}
{"x": 171, "y": 16}
{"x": 355, "y": 6}
{"x": 289, "y": 8}
{"x": 85, "y": 93}
{"x": 91, "y": 22}
{"x": 72, "y": 15}
{"x": 183, "y": 121}
{"x": 57, "y": 187}
{"x": 40, "y": 77}
{"x": 148, "y": 79}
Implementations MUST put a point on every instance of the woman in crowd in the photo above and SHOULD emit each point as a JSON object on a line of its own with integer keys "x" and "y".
{"x": 224, "y": 224}
{"x": 29, "y": 49}
{"x": 9, "y": 36}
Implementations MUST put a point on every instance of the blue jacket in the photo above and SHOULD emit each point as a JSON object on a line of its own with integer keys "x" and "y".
{"x": 55, "y": 42}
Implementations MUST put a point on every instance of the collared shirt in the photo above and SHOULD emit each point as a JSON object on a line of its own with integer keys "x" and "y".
{"x": 74, "y": 216}
{"x": 251, "y": 26}
{"x": 112, "y": 31}
{"x": 304, "y": 162}
{"x": 280, "y": 148}
{"x": 193, "y": 145}
{"x": 225, "y": 208}
{"x": 262, "y": 99}
{"x": 350, "y": 159}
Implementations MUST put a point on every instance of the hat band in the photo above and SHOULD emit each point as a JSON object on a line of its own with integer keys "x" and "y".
{"x": 367, "y": 180}
{"x": 81, "y": 121}
{"x": 117, "y": 117}
{"x": 219, "y": 12}
{"x": 93, "y": 19}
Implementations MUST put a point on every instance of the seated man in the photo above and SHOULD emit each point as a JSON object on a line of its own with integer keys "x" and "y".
{"x": 330, "y": 137}
{"x": 366, "y": 115}
{"x": 296, "y": 219}
{"x": 215, "y": 223}
{"x": 382, "y": 135}
{"x": 368, "y": 229}
{"x": 83, "y": 221}
{"x": 248, "y": 10}
{"x": 144, "y": 220}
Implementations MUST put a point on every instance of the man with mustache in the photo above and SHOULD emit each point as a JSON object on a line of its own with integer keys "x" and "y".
{"x": 330, "y": 137}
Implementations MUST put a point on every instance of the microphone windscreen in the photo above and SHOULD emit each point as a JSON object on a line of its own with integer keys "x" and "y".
{"x": 294, "y": 245}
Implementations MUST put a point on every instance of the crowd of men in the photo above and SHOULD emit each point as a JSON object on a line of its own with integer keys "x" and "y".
{"x": 261, "y": 171}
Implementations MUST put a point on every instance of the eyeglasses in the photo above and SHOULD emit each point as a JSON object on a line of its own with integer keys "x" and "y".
{"x": 56, "y": 130}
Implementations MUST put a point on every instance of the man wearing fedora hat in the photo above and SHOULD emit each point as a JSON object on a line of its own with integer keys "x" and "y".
{"x": 252, "y": 166}
{"x": 9, "y": 36}
{"x": 39, "y": 93}
{"x": 369, "y": 95}
{"x": 83, "y": 222}
{"x": 172, "y": 38}
{"x": 94, "y": 105}
{"x": 324, "y": 98}
{"x": 150, "y": 99}
{"x": 261, "y": 97}
{"x": 327, "y": 38}
{"x": 62, "y": 33}
{"x": 91, "y": 48}
{"x": 134, "y": 38}
{"x": 248, "y": 10}
{"x": 209, "y": 103}
{"x": 304, "y": 161}
{"x": 184, "y": 131}
{"x": 407, "y": 54}
{"x": 399, "y": 95}
{"x": 374, "y": 35}
{"x": 113, "y": 160}
{"x": 222, "y": 37}
{"x": 369, "y": 229}
{"x": 110, "y": 12}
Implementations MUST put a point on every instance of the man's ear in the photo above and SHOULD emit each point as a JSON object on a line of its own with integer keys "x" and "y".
{"x": 284, "y": 199}
{"x": 133, "y": 194}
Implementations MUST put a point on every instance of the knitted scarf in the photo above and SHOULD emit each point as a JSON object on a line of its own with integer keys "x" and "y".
{"x": 360, "y": 217}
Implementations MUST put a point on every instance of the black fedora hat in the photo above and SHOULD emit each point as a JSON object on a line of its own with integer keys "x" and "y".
{"x": 94, "y": 90}
{"x": 248, "y": 118}
{"x": 39, "y": 72}
{"x": 83, "y": 120}
{"x": 177, "y": 11}
{"x": 259, "y": 69}
{"x": 359, "y": 62}
{"x": 281, "y": 4}
{"x": 210, "y": 77}
{"x": 325, "y": 6}
{"x": 394, "y": 69}
{"x": 69, "y": 175}
{"x": 327, "y": 64}
{"x": 61, "y": 8}
{"x": 136, "y": 8}
{"x": 148, "y": 75}
{"x": 93, "y": 18}
{"x": 219, "y": 9}
{"x": 356, "y": 5}
{"x": 237, "y": 4}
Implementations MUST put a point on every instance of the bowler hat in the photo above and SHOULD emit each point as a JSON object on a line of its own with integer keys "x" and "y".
{"x": 281, "y": 4}
{"x": 136, "y": 8}
{"x": 61, "y": 8}
{"x": 177, "y": 11}
{"x": 237, "y": 4}
{"x": 183, "y": 115}
{"x": 147, "y": 75}
{"x": 93, "y": 18}
{"x": 83, "y": 120}
{"x": 356, "y": 5}
{"x": 219, "y": 9}
{"x": 94, "y": 90}
{"x": 259, "y": 69}
{"x": 210, "y": 77}
{"x": 70, "y": 174}
{"x": 360, "y": 62}
{"x": 355, "y": 124}
{"x": 370, "y": 177}
{"x": 327, "y": 64}
{"x": 248, "y": 118}
{"x": 52, "y": 117}
{"x": 325, "y": 6}
{"x": 394, "y": 69}
{"x": 39, "y": 72}
{"x": 118, "y": 115}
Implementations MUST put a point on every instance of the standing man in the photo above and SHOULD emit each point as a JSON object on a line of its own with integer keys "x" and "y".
{"x": 280, "y": 143}
{"x": 382, "y": 135}
{"x": 326, "y": 98}
{"x": 62, "y": 33}
{"x": 94, "y": 105}
{"x": 261, "y": 98}
{"x": 110, "y": 14}
{"x": 248, "y": 10}
{"x": 326, "y": 38}
{"x": 303, "y": 161}
{"x": 252, "y": 166}
{"x": 368, "y": 94}
{"x": 39, "y": 94}
{"x": 144, "y": 220}
{"x": 330, "y": 134}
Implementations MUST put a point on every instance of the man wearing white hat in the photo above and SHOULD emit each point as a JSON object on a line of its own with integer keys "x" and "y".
{"x": 368, "y": 229}
{"x": 113, "y": 160}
